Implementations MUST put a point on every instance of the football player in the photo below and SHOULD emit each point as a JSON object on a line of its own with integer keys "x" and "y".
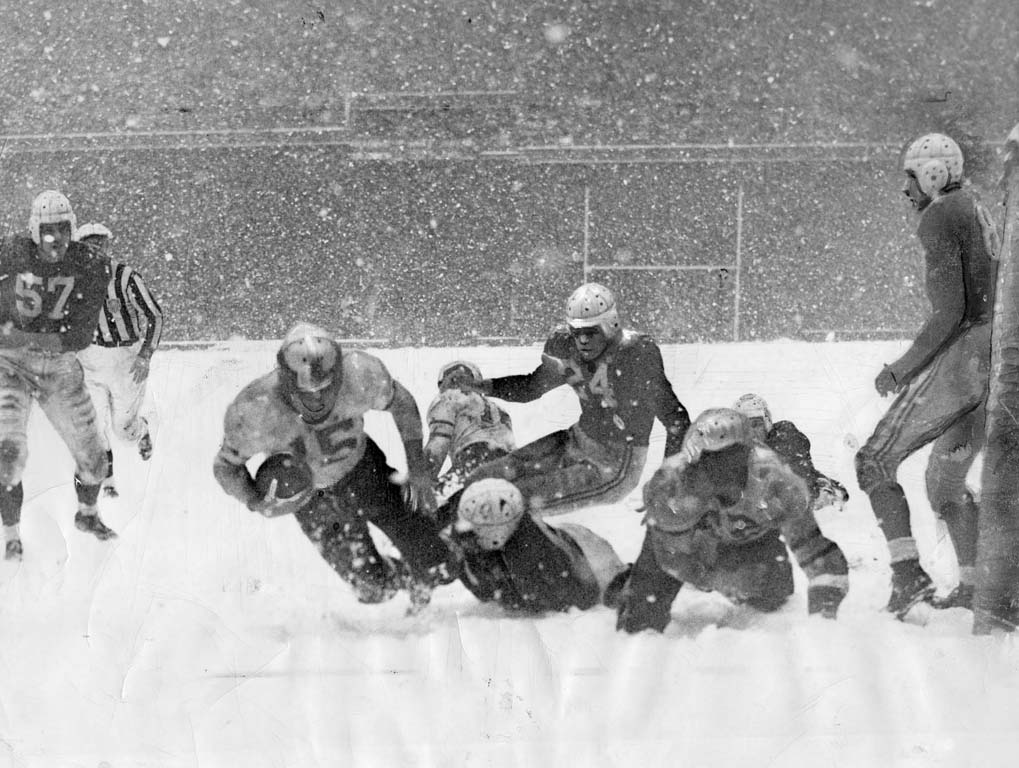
{"x": 516, "y": 559}
{"x": 117, "y": 361}
{"x": 716, "y": 516}
{"x": 51, "y": 291}
{"x": 312, "y": 406}
{"x": 941, "y": 382}
{"x": 465, "y": 426}
{"x": 619, "y": 378}
{"x": 793, "y": 446}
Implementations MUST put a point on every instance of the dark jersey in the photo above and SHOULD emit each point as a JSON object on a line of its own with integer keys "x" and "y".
{"x": 533, "y": 572}
{"x": 956, "y": 235}
{"x": 62, "y": 298}
{"x": 621, "y": 393}
{"x": 793, "y": 446}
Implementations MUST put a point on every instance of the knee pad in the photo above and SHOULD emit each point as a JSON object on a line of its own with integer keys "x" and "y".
{"x": 872, "y": 472}
{"x": 13, "y": 453}
{"x": 492, "y": 509}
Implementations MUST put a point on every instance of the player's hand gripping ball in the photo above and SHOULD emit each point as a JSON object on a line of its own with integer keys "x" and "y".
{"x": 283, "y": 482}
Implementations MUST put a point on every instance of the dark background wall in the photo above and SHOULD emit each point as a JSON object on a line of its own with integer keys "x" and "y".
{"x": 444, "y": 172}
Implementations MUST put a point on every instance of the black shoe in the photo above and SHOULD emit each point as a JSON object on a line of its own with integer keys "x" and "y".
{"x": 614, "y": 589}
{"x": 910, "y": 585}
{"x": 960, "y": 597}
{"x": 14, "y": 550}
{"x": 92, "y": 524}
{"x": 145, "y": 445}
{"x": 110, "y": 490}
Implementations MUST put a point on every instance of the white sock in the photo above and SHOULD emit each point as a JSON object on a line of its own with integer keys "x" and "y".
{"x": 12, "y": 532}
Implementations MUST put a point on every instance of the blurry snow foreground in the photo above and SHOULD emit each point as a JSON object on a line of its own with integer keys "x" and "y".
{"x": 208, "y": 636}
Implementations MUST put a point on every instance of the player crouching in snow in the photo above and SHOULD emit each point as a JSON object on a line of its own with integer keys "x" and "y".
{"x": 312, "y": 407}
{"x": 514, "y": 558}
{"x": 794, "y": 447}
{"x": 716, "y": 515}
{"x": 465, "y": 426}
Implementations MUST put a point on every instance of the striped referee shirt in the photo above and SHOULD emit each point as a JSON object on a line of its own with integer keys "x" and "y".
{"x": 127, "y": 300}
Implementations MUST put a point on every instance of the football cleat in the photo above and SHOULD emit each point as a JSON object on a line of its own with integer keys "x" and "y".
{"x": 110, "y": 490}
{"x": 14, "y": 550}
{"x": 91, "y": 523}
{"x": 910, "y": 585}
{"x": 960, "y": 597}
{"x": 145, "y": 444}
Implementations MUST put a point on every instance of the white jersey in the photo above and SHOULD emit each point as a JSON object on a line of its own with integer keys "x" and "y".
{"x": 466, "y": 417}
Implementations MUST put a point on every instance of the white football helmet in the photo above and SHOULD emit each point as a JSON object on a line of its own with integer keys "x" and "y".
{"x": 593, "y": 305}
{"x": 935, "y": 160}
{"x": 469, "y": 366}
{"x": 717, "y": 429}
{"x": 51, "y": 207}
{"x": 754, "y": 407}
{"x": 492, "y": 508}
{"x": 92, "y": 229}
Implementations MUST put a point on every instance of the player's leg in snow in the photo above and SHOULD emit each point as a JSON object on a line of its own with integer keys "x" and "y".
{"x": 877, "y": 463}
{"x": 15, "y": 404}
{"x": 87, "y": 517}
{"x": 369, "y": 490}
{"x": 69, "y": 408}
{"x": 758, "y": 574}
{"x": 645, "y": 601}
{"x": 344, "y": 541}
{"x": 109, "y": 486}
{"x": 951, "y": 458}
{"x": 11, "y": 499}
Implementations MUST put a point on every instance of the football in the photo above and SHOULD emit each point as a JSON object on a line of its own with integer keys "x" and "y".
{"x": 292, "y": 475}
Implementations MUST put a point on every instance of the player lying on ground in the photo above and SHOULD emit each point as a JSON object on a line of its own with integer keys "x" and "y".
{"x": 312, "y": 407}
{"x": 51, "y": 290}
{"x": 716, "y": 515}
{"x": 514, "y": 558}
{"x": 942, "y": 380}
{"x": 620, "y": 380}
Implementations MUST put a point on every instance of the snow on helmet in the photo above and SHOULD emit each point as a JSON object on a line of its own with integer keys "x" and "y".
{"x": 935, "y": 160}
{"x": 754, "y": 407}
{"x": 310, "y": 364}
{"x": 492, "y": 508}
{"x": 719, "y": 428}
{"x": 468, "y": 366}
{"x": 50, "y": 207}
{"x": 92, "y": 229}
{"x": 593, "y": 305}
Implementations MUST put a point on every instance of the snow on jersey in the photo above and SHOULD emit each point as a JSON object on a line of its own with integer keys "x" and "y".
{"x": 261, "y": 421}
{"x": 466, "y": 418}
{"x": 62, "y": 297}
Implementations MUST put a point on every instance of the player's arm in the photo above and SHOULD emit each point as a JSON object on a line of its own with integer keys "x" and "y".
{"x": 553, "y": 371}
{"x": 408, "y": 423}
{"x": 947, "y": 293}
{"x": 794, "y": 448}
{"x": 441, "y": 419}
{"x": 143, "y": 300}
{"x": 820, "y": 558}
{"x": 668, "y": 409}
{"x": 238, "y": 446}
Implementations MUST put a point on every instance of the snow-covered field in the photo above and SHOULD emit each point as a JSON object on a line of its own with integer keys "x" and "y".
{"x": 208, "y": 636}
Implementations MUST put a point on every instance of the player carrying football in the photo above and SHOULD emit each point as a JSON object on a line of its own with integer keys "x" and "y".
{"x": 717, "y": 513}
{"x": 620, "y": 379}
{"x": 942, "y": 379}
{"x": 312, "y": 406}
{"x": 51, "y": 290}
